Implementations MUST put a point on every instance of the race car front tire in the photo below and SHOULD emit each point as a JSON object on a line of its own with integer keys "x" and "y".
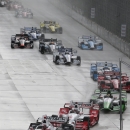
{"x": 79, "y": 59}
{"x": 42, "y": 50}
{"x": 31, "y": 46}
{"x": 60, "y": 30}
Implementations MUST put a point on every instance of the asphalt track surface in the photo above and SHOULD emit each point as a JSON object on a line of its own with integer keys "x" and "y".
{"x": 31, "y": 85}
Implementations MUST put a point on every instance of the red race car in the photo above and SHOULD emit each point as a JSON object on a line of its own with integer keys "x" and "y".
{"x": 111, "y": 80}
{"x": 81, "y": 115}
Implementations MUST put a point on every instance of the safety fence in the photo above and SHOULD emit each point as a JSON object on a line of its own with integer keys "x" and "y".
{"x": 78, "y": 15}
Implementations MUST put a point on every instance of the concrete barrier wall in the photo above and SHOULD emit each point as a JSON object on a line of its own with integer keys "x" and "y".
{"x": 112, "y": 39}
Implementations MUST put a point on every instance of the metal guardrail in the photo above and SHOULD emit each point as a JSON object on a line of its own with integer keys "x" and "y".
{"x": 76, "y": 14}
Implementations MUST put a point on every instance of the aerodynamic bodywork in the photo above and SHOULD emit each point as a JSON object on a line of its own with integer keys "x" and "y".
{"x": 66, "y": 56}
{"x": 21, "y": 41}
{"x": 81, "y": 114}
{"x": 100, "y": 67}
{"x": 90, "y": 43}
{"x": 109, "y": 100}
{"x": 51, "y": 27}
{"x": 32, "y": 32}
{"x": 49, "y": 45}
{"x": 14, "y": 5}
{"x": 23, "y": 12}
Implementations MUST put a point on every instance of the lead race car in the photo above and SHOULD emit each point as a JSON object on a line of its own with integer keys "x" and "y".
{"x": 90, "y": 43}
{"x": 49, "y": 45}
{"x": 24, "y": 13}
{"x": 108, "y": 100}
{"x": 66, "y": 56}
{"x": 100, "y": 67}
{"x": 21, "y": 41}
{"x": 51, "y": 27}
{"x": 81, "y": 115}
{"x": 32, "y": 32}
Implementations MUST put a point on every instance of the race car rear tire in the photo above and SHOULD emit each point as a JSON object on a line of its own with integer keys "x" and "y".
{"x": 79, "y": 59}
{"x": 32, "y": 46}
{"x": 101, "y": 44}
{"x": 42, "y": 50}
{"x": 60, "y": 30}
{"x": 56, "y": 59}
{"x": 12, "y": 46}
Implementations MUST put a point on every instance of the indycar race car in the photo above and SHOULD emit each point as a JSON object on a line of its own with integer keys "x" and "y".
{"x": 109, "y": 100}
{"x": 21, "y": 41}
{"x": 48, "y": 45}
{"x": 32, "y": 32}
{"x": 81, "y": 114}
{"x": 2, "y": 3}
{"x": 23, "y": 12}
{"x": 66, "y": 56}
{"x": 111, "y": 80}
{"x": 101, "y": 67}
{"x": 90, "y": 43}
{"x": 51, "y": 27}
{"x": 47, "y": 123}
{"x": 14, "y": 5}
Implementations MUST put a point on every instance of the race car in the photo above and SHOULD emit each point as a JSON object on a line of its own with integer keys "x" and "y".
{"x": 80, "y": 113}
{"x": 2, "y": 3}
{"x": 51, "y": 27}
{"x": 48, "y": 45}
{"x": 47, "y": 123}
{"x": 109, "y": 100}
{"x": 14, "y": 5}
{"x": 97, "y": 67}
{"x": 66, "y": 56}
{"x": 23, "y": 12}
{"x": 32, "y": 32}
{"x": 21, "y": 41}
{"x": 90, "y": 43}
{"x": 111, "y": 80}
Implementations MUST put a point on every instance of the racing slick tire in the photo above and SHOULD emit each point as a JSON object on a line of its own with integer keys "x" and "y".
{"x": 12, "y": 46}
{"x": 101, "y": 44}
{"x": 56, "y": 60}
{"x": 53, "y": 59}
{"x": 44, "y": 29}
{"x": 88, "y": 46}
{"x": 79, "y": 59}
{"x": 123, "y": 107}
{"x": 97, "y": 118}
{"x": 42, "y": 50}
{"x": 54, "y": 115}
{"x": 32, "y": 45}
{"x": 60, "y": 30}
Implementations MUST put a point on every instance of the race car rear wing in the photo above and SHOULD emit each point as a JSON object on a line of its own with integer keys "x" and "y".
{"x": 104, "y": 64}
{"x": 20, "y": 35}
{"x": 50, "y": 40}
{"x": 81, "y": 103}
{"x": 56, "y": 119}
{"x": 49, "y": 22}
{"x": 29, "y": 28}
